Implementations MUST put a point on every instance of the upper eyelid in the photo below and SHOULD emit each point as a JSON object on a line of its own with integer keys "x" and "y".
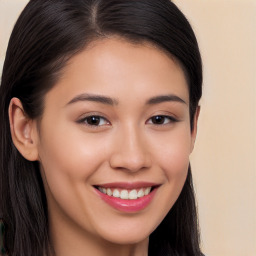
{"x": 165, "y": 115}
{"x": 89, "y": 114}
{"x": 172, "y": 118}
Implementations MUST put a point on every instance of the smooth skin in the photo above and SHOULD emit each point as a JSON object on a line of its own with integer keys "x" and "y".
{"x": 105, "y": 121}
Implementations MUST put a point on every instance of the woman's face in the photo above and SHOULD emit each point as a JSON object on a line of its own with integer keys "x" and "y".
{"x": 117, "y": 122}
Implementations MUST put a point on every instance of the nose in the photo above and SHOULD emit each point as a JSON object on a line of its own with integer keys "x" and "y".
{"x": 131, "y": 152}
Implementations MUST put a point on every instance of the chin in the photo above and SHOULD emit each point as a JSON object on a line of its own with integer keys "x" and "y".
{"x": 125, "y": 237}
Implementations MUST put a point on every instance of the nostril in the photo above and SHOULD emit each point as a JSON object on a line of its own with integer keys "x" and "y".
{"x": 131, "y": 151}
{"x": 129, "y": 163}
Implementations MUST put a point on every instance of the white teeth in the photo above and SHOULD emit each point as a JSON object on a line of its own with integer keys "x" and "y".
{"x": 133, "y": 194}
{"x": 147, "y": 191}
{"x": 124, "y": 193}
{"x": 116, "y": 193}
{"x": 103, "y": 190}
{"x": 109, "y": 192}
{"x": 141, "y": 193}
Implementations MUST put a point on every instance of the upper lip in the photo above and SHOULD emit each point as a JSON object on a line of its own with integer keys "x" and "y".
{"x": 128, "y": 185}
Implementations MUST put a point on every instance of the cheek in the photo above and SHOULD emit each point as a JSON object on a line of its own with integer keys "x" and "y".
{"x": 174, "y": 163}
{"x": 70, "y": 153}
{"x": 172, "y": 152}
{"x": 172, "y": 155}
{"x": 68, "y": 161}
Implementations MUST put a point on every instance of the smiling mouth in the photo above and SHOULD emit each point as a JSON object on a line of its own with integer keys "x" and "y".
{"x": 132, "y": 194}
{"x": 127, "y": 197}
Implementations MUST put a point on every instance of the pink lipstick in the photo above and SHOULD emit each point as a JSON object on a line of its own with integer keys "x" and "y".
{"x": 127, "y": 197}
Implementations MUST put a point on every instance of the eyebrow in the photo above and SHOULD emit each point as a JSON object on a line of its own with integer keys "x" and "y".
{"x": 111, "y": 101}
{"x": 95, "y": 98}
{"x": 165, "y": 98}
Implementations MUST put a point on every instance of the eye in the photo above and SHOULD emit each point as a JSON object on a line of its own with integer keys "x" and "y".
{"x": 94, "y": 121}
{"x": 161, "y": 120}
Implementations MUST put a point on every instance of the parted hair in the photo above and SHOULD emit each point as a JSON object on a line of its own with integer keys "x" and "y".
{"x": 46, "y": 35}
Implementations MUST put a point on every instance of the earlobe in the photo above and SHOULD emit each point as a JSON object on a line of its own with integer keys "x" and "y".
{"x": 194, "y": 131}
{"x": 23, "y": 131}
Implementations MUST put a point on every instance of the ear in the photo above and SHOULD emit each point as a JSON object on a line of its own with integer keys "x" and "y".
{"x": 194, "y": 131}
{"x": 23, "y": 131}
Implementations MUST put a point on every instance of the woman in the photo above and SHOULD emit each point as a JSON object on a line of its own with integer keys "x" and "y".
{"x": 99, "y": 107}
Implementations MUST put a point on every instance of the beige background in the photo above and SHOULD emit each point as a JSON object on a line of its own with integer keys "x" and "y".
{"x": 224, "y": 160}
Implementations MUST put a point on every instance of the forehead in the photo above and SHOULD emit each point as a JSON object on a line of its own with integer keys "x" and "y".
{"x": 116, "y": 67}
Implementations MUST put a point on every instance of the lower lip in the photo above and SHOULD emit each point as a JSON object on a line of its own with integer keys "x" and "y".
{"x": 126, "y": 205}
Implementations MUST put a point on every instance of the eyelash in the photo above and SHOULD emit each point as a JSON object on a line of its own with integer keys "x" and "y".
{"x": 84, "y": 120}
{"x": 170, "y": 119}
{"x": 165, "y": 120}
